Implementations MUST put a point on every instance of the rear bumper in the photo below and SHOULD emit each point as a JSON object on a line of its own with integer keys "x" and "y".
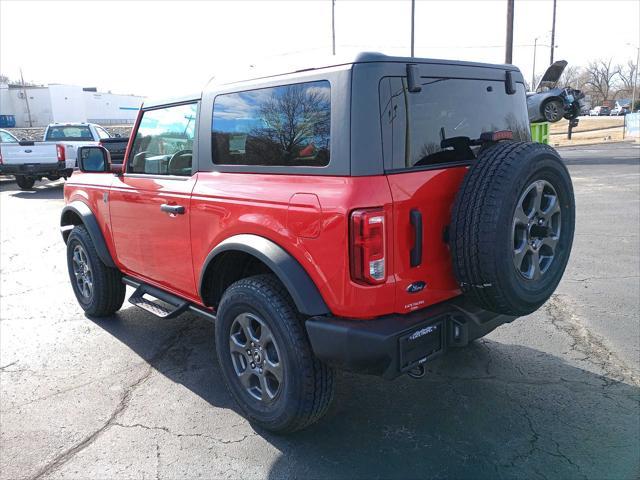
{"x": 392, "y": 345}
{"x": 34, "y": 169}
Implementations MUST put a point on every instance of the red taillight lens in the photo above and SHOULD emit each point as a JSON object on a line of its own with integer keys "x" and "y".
{"x": 60, "y": 153}
{"x": 368, "y": 246}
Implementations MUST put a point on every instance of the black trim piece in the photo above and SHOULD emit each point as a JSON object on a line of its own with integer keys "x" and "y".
{"x": 197, "y": 309}
{"x": 303, "y": 291}
{"x": 510, "y": 88}
{"x": 91, "y": 224}
{"x": 415, "y": 217}
{"x": 435, "y": 166}
{"x": 158, "y": 177}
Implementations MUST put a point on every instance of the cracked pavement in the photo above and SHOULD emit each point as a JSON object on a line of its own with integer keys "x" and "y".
{"x": 552, "y": 395}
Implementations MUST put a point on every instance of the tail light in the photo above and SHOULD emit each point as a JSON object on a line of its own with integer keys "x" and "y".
{"x": 60, "y": 152}
{"x": 368, "y": 246}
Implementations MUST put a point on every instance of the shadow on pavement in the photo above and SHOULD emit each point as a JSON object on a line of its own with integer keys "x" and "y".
{"x": 40, "y": 191}
{"x": 491, "y": 410}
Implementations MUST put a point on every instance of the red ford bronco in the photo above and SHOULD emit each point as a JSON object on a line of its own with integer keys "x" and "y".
{"x": 366, "y": 215}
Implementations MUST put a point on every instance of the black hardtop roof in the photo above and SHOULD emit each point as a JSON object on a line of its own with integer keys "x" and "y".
{"x": 323, "y": 63}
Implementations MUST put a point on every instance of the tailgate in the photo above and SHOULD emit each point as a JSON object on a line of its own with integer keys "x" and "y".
{"x": 424, "y": 273}
{"x": 16, "y": 154}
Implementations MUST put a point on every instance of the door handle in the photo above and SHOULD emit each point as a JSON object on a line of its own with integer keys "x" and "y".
{"x": 415, "y": 218}
{"x": 172, "y": 209}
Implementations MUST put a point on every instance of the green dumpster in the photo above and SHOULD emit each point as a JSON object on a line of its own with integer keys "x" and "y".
{"x": 540, "y": 132}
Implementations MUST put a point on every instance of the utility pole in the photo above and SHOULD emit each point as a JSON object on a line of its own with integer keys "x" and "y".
{"x": 553, "y": 32}
{"x": 533, "y": 73}
{"x": 413, "y": 22}
{"x": 635, "y": 80}
{"x": 509, "y": 50}
{"x": 26, "y": 98}
{"x": 333, "y": 25}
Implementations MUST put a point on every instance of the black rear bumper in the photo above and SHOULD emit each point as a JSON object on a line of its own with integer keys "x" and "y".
{"x": 35, "y": 169}
{"x": 392, "y": 345}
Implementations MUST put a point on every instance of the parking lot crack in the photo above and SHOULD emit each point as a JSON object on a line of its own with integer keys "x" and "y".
{"x": 583, "y": 341}
{"x": 122, "y": 405}
{"x": 185, "y": 435}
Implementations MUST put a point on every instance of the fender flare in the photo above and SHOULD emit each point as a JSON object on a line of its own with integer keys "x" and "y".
{"x": 296, "y": 280}
{"x": 89, "y": 221}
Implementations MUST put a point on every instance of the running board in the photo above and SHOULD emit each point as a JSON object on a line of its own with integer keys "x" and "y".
{"x": 162, "y": 304}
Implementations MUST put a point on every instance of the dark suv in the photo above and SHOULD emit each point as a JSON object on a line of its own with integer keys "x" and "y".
{"x": 367, "y": 215}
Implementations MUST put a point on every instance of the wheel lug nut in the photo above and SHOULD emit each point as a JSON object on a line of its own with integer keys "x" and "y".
{"x": 248, "y": 352}
{"x": 253, "y": 365}
{"x": 260, "y": 370}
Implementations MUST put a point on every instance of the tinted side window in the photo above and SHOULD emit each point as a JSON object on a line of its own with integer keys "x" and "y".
{"x": 163, "y": 144}
{"x": 279, "y": 126}
{"x": 445, "y": 118}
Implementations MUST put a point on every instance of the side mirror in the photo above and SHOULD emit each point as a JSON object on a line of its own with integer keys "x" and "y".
{"x": 94, "y": 159}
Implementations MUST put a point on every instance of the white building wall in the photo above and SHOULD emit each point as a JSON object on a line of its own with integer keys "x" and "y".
{"x": 68, "y": 103}
{"x": 108, "y": 108}
{"x": 39, "y": 106}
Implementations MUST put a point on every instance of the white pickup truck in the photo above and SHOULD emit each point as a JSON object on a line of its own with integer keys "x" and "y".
{"x": 55, "y": 157}
{"x": 31, "y": 161}
{"x": 74, "y": 135}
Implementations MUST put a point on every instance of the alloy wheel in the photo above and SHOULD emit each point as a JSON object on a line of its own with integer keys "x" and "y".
{"x": 256, "y": 357}
{"x": 82, "y": 271}
{"x": 536, "y": 230}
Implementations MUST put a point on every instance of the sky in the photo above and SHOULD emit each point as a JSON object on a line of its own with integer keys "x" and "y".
{"x": 171, "y": 48}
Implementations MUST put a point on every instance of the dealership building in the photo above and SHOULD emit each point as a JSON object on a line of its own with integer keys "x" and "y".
{"x": 38, "y": 106}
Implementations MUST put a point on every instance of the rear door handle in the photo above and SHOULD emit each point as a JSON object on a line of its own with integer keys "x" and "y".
{"x": 174, "y": 209}
{"x": 416, "y": 252}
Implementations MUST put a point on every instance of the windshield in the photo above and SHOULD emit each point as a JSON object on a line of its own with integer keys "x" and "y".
{"x": 71, "y": 133}
{"x": 444, "y": 122}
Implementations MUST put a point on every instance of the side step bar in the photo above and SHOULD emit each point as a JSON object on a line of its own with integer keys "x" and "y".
{"x": 168, "y": 306}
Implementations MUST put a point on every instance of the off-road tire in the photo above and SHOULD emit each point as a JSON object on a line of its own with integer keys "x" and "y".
{"x": 25, "y": 183}
{"x": 108, "y": 290}
{"x": 482, "y": 225}
{"x": 308, "y": 386}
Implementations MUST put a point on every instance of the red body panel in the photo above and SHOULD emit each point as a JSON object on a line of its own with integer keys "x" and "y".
{"x": 227, "y": 204}
{"x": 308, "y": 216}
{"x": 432, "y": 193}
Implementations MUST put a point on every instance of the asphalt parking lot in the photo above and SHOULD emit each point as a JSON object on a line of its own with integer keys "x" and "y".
{"x": 552, "y": 395}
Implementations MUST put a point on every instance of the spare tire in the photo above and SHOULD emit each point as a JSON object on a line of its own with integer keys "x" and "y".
{"x": 512, "y": 227}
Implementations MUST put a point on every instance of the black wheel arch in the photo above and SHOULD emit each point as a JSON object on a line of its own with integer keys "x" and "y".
{"x": 79, "y": 213}
{"x": 252, "y": 254}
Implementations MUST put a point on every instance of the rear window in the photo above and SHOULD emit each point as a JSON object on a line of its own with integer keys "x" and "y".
{"x": 71, "y": 133}
{"x": 440, "y": 124}
{"x": 278, "y": 126}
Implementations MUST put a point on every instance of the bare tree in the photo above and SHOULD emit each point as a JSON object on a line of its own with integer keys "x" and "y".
{"x": 574, "y": 77}
{"x": 601, "y": 79}
{"x": 627, "y": 75}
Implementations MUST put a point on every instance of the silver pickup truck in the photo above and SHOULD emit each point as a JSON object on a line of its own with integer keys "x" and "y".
{"x": 30, "y": 161}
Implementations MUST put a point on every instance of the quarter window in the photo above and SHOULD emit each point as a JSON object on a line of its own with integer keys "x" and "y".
{"x": 163, "y": 144}
{"x": 280, "y": 126}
